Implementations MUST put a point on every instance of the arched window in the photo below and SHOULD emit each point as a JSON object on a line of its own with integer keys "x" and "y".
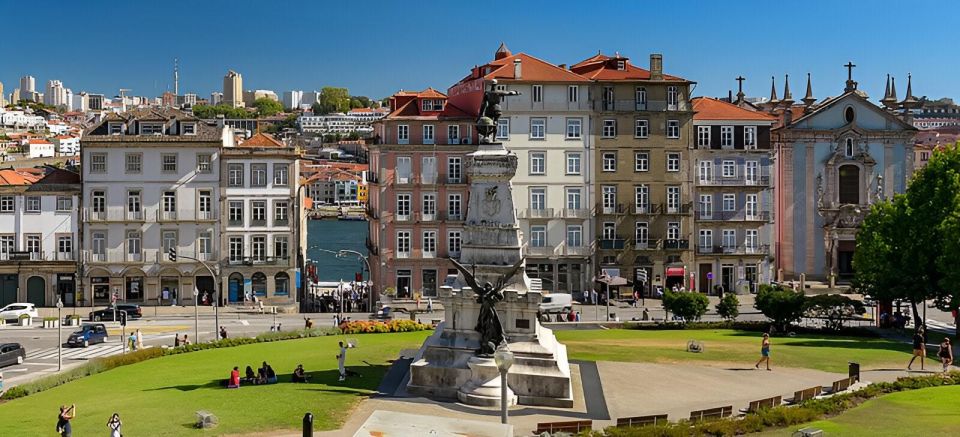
{"x": 259, "y": 284}
{"x": 849, "y": 115}
{"x": 848, "y": 148}
{"x": 849, "y": 185}
{"x": 281, "y": 284}
{"x": 235, "y": 291}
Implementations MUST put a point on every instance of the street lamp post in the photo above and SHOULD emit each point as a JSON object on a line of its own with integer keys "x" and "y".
{"x": 196, "y": 316}
{"x": 342, "y": 253}
{"x": 504, "y": 359}
{"x": 59, "y": 334}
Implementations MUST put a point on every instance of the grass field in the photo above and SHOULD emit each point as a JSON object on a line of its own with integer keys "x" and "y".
{"x": 924, "y": 412}
{"x": 821, "y": 352}
{"x": 159, "y": 397}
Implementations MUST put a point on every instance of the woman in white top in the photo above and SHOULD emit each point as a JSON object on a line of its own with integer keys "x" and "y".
{"x": 115, "y": 424}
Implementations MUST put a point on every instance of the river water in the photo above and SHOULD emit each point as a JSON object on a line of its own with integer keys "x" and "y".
{"x": 335, "y": 235}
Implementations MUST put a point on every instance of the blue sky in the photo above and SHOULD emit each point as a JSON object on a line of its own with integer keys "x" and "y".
{"x": 376, "y": 47}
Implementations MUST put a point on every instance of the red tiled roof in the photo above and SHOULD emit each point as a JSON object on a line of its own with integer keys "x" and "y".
{"x": 9, "y": 176}
{"x": 431, "y": 93}
{"x": 531, "y": 69}
{"x": 707, "y": 108}
{"x": 38, "y": 141}
{"x": 598, "y": 67}
{"x": 261, "y": 139}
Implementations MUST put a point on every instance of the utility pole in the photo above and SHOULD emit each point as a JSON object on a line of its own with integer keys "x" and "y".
{"x": 172, "y": 255}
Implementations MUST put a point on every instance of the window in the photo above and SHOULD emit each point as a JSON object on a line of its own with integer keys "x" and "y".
{"x": 673, "y": 162}
{"x": 641, "y": 233}
{"x": 538, "y": 198}
{"x": 258, "y": 212}
{"x": 673, "y": 230}
{"x": 64, "y": 203}
{"x": 729, "y": 240}
{"x": 236, "y": 249}
{"x": 573, "y": 198}
{"x": 429, "y": 206}
{"x": 751, "y": 241}
{"x": 98, "y": 201}
{"x": 750, "y": 137}
{"x": 503, "y": 129}
{"x": 281, "y": 282}
{"x": 428, "y": 134}
{"x": 454, "y": 242}
{"x": 609, "y": 128}
{"x": 189, "y": 128}
{"x": 673, "y": 98}
{"x": 168, "y": 240}
{"x": 573, "y": 93}
{"x": 203, "y": 163}
{"x": 258, "y": 175}
{"x": 538, "y": 128}
{"x": 280, "y": 175}
{"x": 536, "y": 93}
{"x": 7, "y": 245}
{"x": 99, "y": 245}
{"x": 403, "y": 206}
{"x": 98, "y": 163}
{"x": 133, "y": 203}
{"x": 454, "y": 170}
{"x": 280, "y": 213}
{"x": 32, "y": 204}
{"x": 169, "y": 161}
{"x": 403, "y": 134}
{"x": 641, "y": 161}
{"x": 849, "y": 185}
{"x": 573, "y": 163}
{"x": 573, "y": 128}
{"x": 705, "y": 172}
{"x": 729, "y": 202}
{"x": 33, "y": 245}
{"x": 726, "y": 137}
{"x": 538, "y": 236}
{"x": 705, "y": 240}
{"x": 235, "y": 213}
{"x": 403, "y": 244}
{"x": 453, "y": 207}
{"x": 641, "y": 129}
{"x": 258, "y": 248}
{"x": 133, "y": 162}
{"x": 609, "y": 231}
{"x": 848, "y": 148}
{"x": 234, "y": 175}
{"x": 752, "y": 172}
{"x": 169, "y": 200}
{"x": 133, "y": 244}
{"x": 453, "y": 134}
{"x": 849, "y": 115}
{"x": 728, "y": 169}
{"x": 429, "y": 244}
{"x": 640, "y": 95}
{"x": 205, "y": 245}
{"x": 608, "y": 102}
{"x": 281, "y": 246}
{"x": 706, "y": 206}
{"x": 574, "y": 236}
{"x": 404, "y": 169}
{"x": 673, "y": 199}
{"x": 609, "y": 161}
{"x": 673, "y": 129}
{"x": 205, "y": 205}
{"x": 641, "y": 198}
{"x": 151, "y": 128}
{"x": 703, "y": 137}
{"x": 115, "y": 128}
{"x": 751, "y": 207}
{"x": 538, "y": 163}
{"x": 609, "y": 198}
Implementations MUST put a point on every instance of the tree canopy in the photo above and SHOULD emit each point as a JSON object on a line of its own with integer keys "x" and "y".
{"x": 266, "y": 107}
{"x": 208, "y": 111}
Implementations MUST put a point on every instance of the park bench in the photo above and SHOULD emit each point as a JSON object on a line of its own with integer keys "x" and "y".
{"x": 711, "y": 413}
{"x": 639, "y": 421}
{"x": 803, "y": 395}
{"x": 840, "y": 385}
{"x": 753, "y": 406}
{"x": 573, "y": 426}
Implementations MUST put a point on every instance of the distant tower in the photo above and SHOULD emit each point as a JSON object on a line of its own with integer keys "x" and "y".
{"x": 233, "y": 89}
{"x": 176, "y": 77}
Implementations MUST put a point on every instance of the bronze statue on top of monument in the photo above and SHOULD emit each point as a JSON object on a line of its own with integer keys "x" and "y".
{"x": 488, "y": 322}
{"x": 490, "y": 112}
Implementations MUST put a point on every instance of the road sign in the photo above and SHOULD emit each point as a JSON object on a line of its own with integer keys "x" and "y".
{"x": 710, "y": 275}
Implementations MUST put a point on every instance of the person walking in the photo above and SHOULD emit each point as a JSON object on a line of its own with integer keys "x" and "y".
{"x": 945, "y": 353}
{"x": 223, "y": 333}
{"x": 132, "y": 341}
{"x": 176, "y": 339}
{"x": 764, "y": 352}
{"x": 342, "y": 361}
{"x": 64, "y": 418}
{"x": 919, "y": 347}
{"x": 115, "y": 424}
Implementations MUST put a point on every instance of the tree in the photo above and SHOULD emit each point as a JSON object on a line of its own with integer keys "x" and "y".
{"x": 781, "y": 305}
{"x": 729, "y": 307}
{"x": 687, "y": 305}
{"x": 208, "y": 111}
{"x": 364, "y": 101}
{"x": 266, "y": 107}
{"x": 332, "y": 99}
{"x": 833, "y": 308}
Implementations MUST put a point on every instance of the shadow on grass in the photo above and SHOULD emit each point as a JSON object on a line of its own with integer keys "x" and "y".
{"x": 366, "y": 379}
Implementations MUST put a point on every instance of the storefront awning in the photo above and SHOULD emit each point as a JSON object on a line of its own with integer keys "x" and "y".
{"x": 674, "y": 271}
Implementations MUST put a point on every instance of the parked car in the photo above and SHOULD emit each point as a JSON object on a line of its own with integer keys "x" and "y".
{"x": 12, "y": 353}
{"x": 556, "y": 302}
{"x": 106, "y": 314}
{"x": 15, "y": 310}
{"x": 89, "y": 333}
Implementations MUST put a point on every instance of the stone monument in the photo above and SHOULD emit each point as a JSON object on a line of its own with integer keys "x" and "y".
{"x": 490, "y": 305}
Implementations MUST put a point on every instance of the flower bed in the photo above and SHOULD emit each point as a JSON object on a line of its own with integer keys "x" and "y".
{"x": 371, "y": 326}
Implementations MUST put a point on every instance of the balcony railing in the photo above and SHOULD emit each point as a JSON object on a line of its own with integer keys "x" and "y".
{"x": 741, "y": 180}
{"x": 578, "y": 213}
{"x": 676, "y": 244}
{"x": 428, "y": 179}
{"x": 454, "y": 216}
{"x": 166, "y": 216}
{"x": 206, "y": 215}
{"x": 538, "y": 250}
{"x": 633, "y": 105}
{"x": 537, "y": 213}
{"x": 428, "y": 217}
{"x": 576, "y": 250}
{"x": 403, "y": 179}
{"x": 134, "y": 257}
{"x": 762, "y": 249}
{"x": 609, "y": 209}
{"x": 403, "y": 217}
{"x": 645, "y": 245}
{"x": 681, "y": 209}
{"x": 741, "y": 215}
{"x": 36, "y": 256}
{"x": 113, "y": 215}
{"x": 259, "y": 260}
{"x": 612, "y": 243}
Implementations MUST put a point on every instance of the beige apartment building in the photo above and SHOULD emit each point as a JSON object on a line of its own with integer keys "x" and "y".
{"x": 642, "y": 128}
{"x": 233, "y": 89}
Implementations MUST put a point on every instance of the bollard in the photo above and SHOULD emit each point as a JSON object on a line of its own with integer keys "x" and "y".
{"x": 308, "y": 425}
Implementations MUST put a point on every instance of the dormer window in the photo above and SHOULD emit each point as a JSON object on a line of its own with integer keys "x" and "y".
{"x": 431, "y": 105}
{"x": 621, "y": 65}
{"x": 115, "y": 128}
{"x": 189, "y": 128}
{"x": 848, "y": 148}
{"x": 151, "y": 128}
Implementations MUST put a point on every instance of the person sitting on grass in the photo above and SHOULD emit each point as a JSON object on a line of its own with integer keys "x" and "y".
{"x": 250, "y": 377}
{"x": 299, "y": 375}
{"x": 262, "y": 374}
{"x": 271, "y": 375}
{"x": 234, "y": 378}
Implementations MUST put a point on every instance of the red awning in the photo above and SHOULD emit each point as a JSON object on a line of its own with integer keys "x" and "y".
{"x": 674, "y": 271}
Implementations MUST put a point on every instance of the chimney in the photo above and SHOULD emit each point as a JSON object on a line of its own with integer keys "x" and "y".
{"x": 516, "y": 69}
{"x": 563, "y": 66}
{"x": 730, "y": 96}
{"x": 656, "y": 66}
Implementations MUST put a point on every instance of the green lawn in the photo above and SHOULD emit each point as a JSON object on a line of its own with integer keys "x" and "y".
{"x": 924, "y": 412}
{"x": 159, "y": 397}
{"x": 822, "y": 352}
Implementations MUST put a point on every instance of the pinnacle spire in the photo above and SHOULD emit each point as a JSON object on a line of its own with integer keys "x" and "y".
{"x": 502, "y": 51}
{"x": 809, "y": 99}
{"x": 888, "y": 99}
{"x": 909, "y": 102}
{"x": 773, "y": 91}
{"x": 893, "y": 88}
{"x": 787, "y": 95}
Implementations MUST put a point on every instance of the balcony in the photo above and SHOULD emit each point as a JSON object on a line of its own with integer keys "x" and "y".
{"x": 258, "y": 223}
{"x": 206, "y": 216}
{"x": 113, "y": 215}
{"x": 741, "y": 180}
{"x": 403, "y": 255}
{"x": 647, "y": 209}
{"x": 681, "y": 209}
{"x": 645, "y": 245}
{"x": 676, "y": 244}
{"x": 538, "y": 250}
{"x": 576, "y": 250}
{"x": 609, "y": 209}
{"x": 713, "y": 215}
{"x": 633, "y": 105}
{"x": 206, "y": 257}
{"x": 259, "y": 260}
{"x": 23, "y": 255}
{"x": 537, "y": 213}
{"x": 166, "y": 216}
{"x": 428, "y": 179}
{"x": 612, "y": 243}
{"x": 403, "y": 179}
{"x": 403, "y": 217}
{"x": 455, "y": 180}
{"x": 454, "y": 216}
{"x": 134, "y": 257}
{"x": 428, "y": 217}
{"x": 578, "y": 213}
{"x": 763, "y": 249}
{"x": 135, "y": 215}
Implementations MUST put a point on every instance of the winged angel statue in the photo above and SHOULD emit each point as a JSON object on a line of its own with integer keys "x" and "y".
{"x": 488, "y": 323}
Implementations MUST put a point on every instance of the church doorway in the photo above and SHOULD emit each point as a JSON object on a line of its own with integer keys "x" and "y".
{"x": 845, "y": 251}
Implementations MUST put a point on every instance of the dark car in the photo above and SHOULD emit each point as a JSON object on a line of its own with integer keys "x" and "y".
{"x": 89, "y": 333}
{"x": 12, "y": 353}
{"x": 106, "y": 314}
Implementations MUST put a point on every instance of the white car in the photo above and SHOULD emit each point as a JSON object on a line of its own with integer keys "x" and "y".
{"x": 15, "y": 310}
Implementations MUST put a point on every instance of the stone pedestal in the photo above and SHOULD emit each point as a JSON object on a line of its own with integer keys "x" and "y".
{"x": 484, "y": 386}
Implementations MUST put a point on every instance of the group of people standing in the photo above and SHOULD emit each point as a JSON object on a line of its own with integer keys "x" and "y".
{"x": 65, "y": 429}
{"x": 944, "y": 350}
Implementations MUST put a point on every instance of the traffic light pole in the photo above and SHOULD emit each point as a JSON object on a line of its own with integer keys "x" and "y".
{"x": 216, "y": 292}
